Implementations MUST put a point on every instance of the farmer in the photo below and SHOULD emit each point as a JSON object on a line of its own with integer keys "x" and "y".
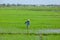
{"x": 27, "y": 23}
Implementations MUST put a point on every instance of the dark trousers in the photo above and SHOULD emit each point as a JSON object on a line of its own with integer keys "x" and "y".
{"x": 27, "y": 26}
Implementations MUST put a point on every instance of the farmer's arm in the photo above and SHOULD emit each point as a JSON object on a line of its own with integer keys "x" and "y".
{"x": 25, "y": 22}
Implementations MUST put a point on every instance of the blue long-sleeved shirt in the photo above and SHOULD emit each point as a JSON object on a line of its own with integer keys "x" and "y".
{"x": 27, "y": 22}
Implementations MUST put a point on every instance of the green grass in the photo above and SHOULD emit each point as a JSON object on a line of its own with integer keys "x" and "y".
{"x": 51, "y": 37}
{"x": 18, "y": 37}
{"x": 12, "y": 20}
{"x": 39, "y": 19}
{"x": 28, "y": 37}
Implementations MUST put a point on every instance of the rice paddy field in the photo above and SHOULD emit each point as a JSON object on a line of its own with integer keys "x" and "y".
{"x": 28, "y": 37}
{"x": 12, "y": 20}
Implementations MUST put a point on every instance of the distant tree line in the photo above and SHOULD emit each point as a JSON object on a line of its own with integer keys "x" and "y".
{"x": 8, "y": 5}
{"x": 34, "y": 7}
